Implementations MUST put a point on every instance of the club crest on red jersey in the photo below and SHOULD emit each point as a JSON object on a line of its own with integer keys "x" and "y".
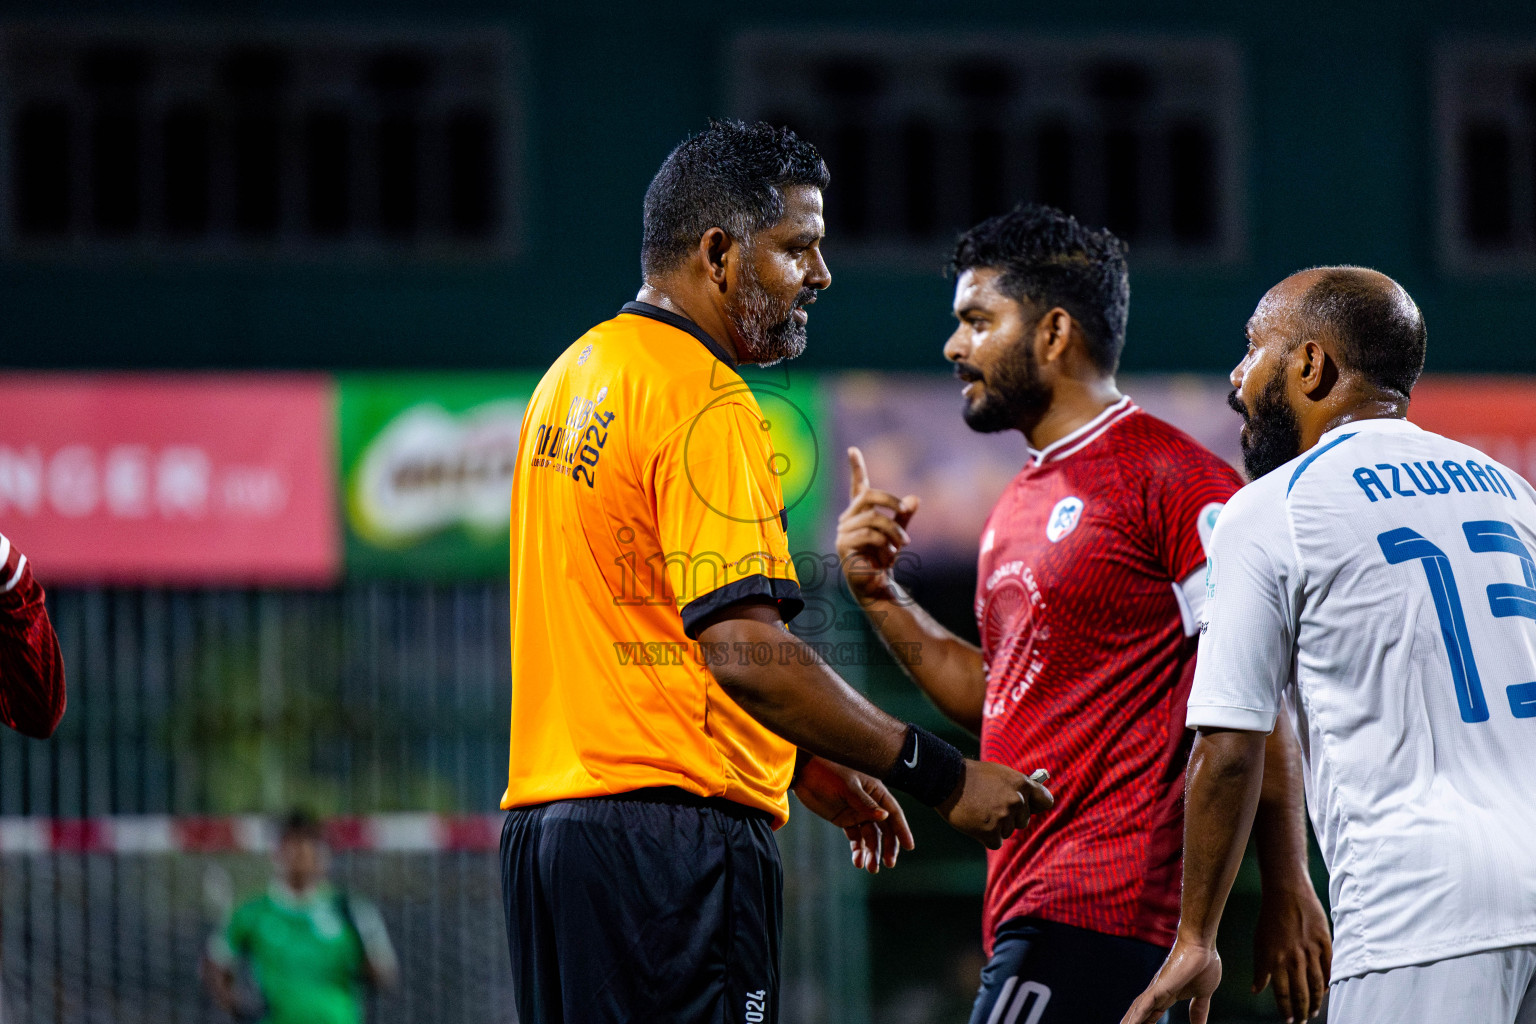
{"x": 1063, "y": 519}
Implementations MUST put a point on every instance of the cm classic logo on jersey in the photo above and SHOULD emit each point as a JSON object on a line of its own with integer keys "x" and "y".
{"x": 1064, "y": 518}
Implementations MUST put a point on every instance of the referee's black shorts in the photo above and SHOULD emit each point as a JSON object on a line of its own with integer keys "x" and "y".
{"x": 656, "y": 905}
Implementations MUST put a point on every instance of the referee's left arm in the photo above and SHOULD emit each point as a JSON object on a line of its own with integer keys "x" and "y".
{"x": 802, "y": 699}
{"x": 718, "y": 503}
{"x": 811, "y": 706}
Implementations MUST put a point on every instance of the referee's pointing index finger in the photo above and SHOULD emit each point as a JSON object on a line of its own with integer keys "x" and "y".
{"x": 858, "y": 476}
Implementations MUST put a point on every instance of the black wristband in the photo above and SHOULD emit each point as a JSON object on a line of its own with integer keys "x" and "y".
{"x": 927, "y": 767}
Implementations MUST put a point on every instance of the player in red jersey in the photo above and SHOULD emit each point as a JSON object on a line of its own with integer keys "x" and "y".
{"x": 31, "y": 670}
{"x": 1090, "y": 581}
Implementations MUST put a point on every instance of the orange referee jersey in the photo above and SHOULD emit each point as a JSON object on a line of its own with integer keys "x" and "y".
{"x": 644, "y": 499}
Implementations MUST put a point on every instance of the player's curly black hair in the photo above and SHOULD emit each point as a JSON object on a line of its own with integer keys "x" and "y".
{"x": 1048, "y": 259}
{"x": 730, "y": 176}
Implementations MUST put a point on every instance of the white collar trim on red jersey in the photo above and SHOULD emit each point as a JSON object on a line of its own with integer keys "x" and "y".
{"x": 1085, "y": 434}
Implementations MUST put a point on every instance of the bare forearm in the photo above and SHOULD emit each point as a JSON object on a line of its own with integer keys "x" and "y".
{"x": 1222, "y": 792}
{"x": 804, "y": 701}
{"x": 945, "y": 667}
{"x": 1280, "y": 826}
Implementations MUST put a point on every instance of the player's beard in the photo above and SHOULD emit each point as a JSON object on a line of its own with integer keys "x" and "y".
{"x": 1271, "y": 432}
{"x": 1012, "y": 395}
{"x": 766, "y": 328}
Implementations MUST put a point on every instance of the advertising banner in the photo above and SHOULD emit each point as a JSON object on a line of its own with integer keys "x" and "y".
{"x": 170, "y": 478}
{"x": 426, "y": 464}
{"x": 915, "y": 441}
{"x": 1495, "y": 415}
{"x": 795, "y": 415}
{"x": 271, "y": 479}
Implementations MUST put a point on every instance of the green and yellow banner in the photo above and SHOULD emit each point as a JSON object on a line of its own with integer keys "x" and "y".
{"x": 426, "y": 471}
{"x": 426, "y": 466}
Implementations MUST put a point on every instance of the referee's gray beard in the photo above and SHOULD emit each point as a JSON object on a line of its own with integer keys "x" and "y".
{"x": 767, "y": 329}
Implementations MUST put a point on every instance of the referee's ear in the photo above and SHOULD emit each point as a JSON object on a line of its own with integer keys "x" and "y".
{"x": 714, "y": 244}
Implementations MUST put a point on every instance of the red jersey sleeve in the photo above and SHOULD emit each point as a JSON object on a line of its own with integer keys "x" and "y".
{"x": 1184, "y": 494}
{"x": 31, "y": 668}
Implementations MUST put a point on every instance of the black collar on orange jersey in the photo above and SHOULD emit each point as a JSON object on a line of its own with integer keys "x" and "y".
{"x": 682, "y": 323}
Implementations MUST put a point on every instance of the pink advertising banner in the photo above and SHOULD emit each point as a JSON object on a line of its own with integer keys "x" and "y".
{"x": 184, "y": 478}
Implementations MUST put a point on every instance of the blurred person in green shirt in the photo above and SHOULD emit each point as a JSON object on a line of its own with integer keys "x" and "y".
{"x": 312, "y": 948}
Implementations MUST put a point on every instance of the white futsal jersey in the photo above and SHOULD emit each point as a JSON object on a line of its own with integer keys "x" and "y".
{"x": 1382, "y": 586}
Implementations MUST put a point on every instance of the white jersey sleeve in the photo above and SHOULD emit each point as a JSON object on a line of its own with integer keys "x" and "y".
{"x": 1249, "y": 630}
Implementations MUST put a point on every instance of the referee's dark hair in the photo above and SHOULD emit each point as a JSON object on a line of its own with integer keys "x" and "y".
{"x": 1379, "y": 329}
{"x": 1049, "y": 259}
{"x": 729, "y": 176}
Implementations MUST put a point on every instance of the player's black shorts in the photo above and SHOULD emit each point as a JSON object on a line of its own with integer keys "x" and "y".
{"x": 651, "y": 906}
{"x": 1042, "y": 972}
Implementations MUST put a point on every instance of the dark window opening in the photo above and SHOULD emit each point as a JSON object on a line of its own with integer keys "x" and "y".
{"x": 989, "y": 177}
{"x": 1487, "y": 99}
{"x": 188, "y": 165}
{"x": 926, "y": 136}
{"x": 849, "y": 154}
{"x": 400, "y": 71}
{"x": 255, "y": 79}
{"x": 1528, "y": 95}
{"x": 1116, "y": 83}
{"x": 1122, "y": 179}
{"x": 41, "y": 160}
{"x": 851, "y": 86}
{"x": 983, "y": 81}
{"x": 328, "y": 173}
{"x": 257, "y": 144}
{"x": 1192, "y": 183}
{"x": 115, "y": 165}
{"x": 471, "y": 174}
{"x": 115, "y": 78}
{"x": 1053, "y": 166}
{"x": 852, "y": 80}
{"x": 1487, "y": 177}
{"x": 919, "y": 149}
{"x": 399, "y": 140}
{"x": 261, "y": 142}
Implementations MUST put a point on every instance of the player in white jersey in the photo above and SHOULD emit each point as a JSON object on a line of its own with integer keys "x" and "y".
{"x": 1378, "y": 582}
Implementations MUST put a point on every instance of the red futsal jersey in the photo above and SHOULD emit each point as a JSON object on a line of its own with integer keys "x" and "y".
{"x": 1089, "y": 646}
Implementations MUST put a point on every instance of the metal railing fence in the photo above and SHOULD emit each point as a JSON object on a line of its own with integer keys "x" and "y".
{"x": 368, "y": 699}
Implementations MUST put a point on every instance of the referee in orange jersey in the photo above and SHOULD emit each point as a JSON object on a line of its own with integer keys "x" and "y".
{"x": 660, "y": 709}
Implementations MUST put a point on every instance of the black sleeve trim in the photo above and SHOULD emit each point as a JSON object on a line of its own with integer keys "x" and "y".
{"x": 757, "y": 587}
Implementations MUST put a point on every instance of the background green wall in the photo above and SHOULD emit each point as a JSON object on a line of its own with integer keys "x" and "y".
{"x": 1339, "y": 168}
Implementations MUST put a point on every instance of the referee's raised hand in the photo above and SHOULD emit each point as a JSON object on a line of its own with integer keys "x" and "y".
{"x": 994, "y": 801}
